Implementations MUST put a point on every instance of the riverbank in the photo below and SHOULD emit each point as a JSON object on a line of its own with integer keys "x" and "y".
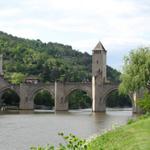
{"x": 134, "y": 136}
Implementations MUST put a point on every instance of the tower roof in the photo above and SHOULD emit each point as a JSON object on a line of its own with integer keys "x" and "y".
{"x": 99, "y": 47}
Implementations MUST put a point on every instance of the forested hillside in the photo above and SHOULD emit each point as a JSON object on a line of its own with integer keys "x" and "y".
{"x": 49, "y": 61}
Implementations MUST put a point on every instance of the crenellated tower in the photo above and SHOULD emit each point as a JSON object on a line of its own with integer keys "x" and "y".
{"x": 99, "y": 63}
{"x": 99, "y": 76}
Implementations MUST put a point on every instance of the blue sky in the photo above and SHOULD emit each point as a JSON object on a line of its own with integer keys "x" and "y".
{"x": 121, "y": 25}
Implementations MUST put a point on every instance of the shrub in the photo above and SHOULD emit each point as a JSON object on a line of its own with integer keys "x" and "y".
{"x": 145, "y": 103}
{"x": 72, "y": 143}
{"x": 130, "y": 121}
{"x": 48, "y": 147}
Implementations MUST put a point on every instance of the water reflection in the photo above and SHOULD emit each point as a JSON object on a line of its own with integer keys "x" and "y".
{"x": 20, "y": 130}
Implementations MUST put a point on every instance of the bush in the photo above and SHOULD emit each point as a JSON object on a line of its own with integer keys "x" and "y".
{"x": 146, "y": 115}
{"x": 72, "y": 143}
{"x": 130, "y": 121}
{"x": 145, "y": 103}
{"x": 48, "y": 147}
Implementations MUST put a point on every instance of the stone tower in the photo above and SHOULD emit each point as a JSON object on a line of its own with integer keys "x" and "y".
{"x": 99, "y": 63}
{"x": 99, "y": 76}
{"x": 1, "y": 64}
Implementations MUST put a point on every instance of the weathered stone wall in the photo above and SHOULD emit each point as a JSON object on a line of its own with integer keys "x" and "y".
{"x": 62, "y": 90}
{"x": 28, "y": 92}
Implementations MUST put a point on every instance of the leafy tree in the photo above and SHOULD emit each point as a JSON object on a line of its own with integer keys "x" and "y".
{"x": 17, "y": 78}
{"x": 145, "y": 103}
{"x": 136, "y": 70}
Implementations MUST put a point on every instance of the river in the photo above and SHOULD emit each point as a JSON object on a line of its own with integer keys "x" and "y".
{"x": 19, "y": 131}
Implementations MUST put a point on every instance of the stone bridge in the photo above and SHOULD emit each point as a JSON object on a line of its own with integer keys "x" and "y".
{"x": 59, "y": 92}
{"x": 98, "y": 90}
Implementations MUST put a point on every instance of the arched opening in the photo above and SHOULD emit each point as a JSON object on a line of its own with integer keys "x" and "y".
{"x": 79, "y": 99}
{"x": 43, "y": 100}
{"x": 115, "y": 100}
{"x": 9, "y": 100}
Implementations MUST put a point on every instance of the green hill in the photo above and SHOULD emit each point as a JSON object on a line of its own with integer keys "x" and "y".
{"x": 50, "y": 61}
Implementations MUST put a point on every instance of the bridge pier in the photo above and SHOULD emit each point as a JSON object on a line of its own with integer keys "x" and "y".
{"x": 25, "y": 102}
{"x": 99, "y": 104}
{"x": 60, "y": 103}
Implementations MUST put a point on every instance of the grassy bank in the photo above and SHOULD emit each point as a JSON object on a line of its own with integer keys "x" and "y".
{"x": 135, "y": 136}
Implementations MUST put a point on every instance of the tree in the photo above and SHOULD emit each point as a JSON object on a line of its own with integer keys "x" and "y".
{"x": 136, "y": 71}
{"x": 17, "y": 78}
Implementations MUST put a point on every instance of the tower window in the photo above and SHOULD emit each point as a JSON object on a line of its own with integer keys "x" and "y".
{"x": 96, "y": 52}
{"x": 97, "y": 61}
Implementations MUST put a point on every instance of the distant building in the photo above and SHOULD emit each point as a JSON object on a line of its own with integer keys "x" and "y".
{"x": 32, "y": 79}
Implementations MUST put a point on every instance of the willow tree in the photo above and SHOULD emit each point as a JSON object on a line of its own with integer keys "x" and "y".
{"x": 136, "y": 71}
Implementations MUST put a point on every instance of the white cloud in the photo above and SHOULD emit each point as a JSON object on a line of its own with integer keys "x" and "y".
{"x": 9, "y": 12}
{"x": 120, "y": 25}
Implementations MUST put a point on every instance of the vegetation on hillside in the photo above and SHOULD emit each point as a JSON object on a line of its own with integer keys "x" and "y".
{"x": 50, "y": 61}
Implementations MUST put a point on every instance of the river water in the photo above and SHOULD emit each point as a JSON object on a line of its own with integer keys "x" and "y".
{"x": 19, "y": 131}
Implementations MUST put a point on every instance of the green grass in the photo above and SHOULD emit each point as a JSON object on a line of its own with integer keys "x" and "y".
{"x": 135, "y": 136}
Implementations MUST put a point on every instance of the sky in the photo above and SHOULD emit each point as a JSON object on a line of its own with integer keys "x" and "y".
{"x": 121, "y": 25}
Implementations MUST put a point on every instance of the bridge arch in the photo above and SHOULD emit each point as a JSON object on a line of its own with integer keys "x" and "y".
{"x": 36, "y": 91}
{"x": 110, "y": 91}
{"x": 81, "y": 89}
{"x": 73, "y": 103}
{"x": 9, "y": 88}
{"x": 9, "y": 96}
